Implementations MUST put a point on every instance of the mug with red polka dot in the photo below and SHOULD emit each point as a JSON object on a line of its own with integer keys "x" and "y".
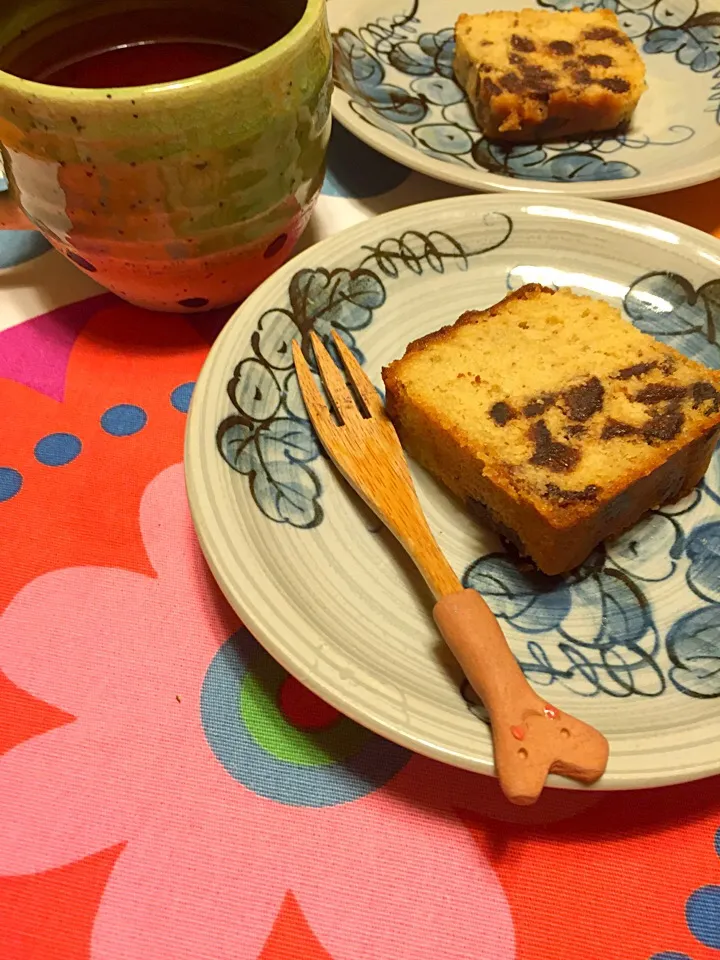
{"x": 174, "y": 149}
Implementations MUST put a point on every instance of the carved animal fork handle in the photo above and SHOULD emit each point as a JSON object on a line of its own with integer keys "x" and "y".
{"x": 531, "y": 738}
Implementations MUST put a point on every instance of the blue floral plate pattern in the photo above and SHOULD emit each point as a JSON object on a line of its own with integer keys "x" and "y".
{"x": 630, "y": 641}
{"x": 394, "y": 89}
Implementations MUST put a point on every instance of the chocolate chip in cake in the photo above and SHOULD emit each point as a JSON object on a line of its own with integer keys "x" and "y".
{"x": 598, "y": 60}
{"x": 556, "y": 456}
{"x": 659, "y": 392}
{"x": 606, "y": 33}
{"x": 566, "y": 497}
{"x": 485, "y": 68}
{"x": 502, "y": 413}
{"x": 585, "y": 399}
{"x": 663, "y": 426}
{"x": 561, "y": 47}
{"x": 523, "y": 44}
{"x": 491, "y": 89}
{"x": 636, "y": 370}
{"x": 539, "y": 405}
{"x": 614, "y": 84}
{"x": 516, "y": 59}
{"x": 582, "y": 76}
{"x": 703, "y": 391}
{"x": 538, "y": 78}
{"x": 616, "y": 428}
{"x": 512, "y": 82}
{"x": 575, "y": 430}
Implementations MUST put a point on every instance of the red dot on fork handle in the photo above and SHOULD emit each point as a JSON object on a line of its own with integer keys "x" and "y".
{"x": 552, "y": 713}
{"x": 518, "y": 732}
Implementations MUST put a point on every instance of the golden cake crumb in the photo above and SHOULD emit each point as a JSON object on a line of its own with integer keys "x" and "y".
{"x": 536, "y": 74}
{"x": 555, "y": 419}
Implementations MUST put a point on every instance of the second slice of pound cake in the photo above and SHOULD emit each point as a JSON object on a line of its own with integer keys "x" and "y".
{"x": 555, "y": 419}
{"x": 536, "y": 74}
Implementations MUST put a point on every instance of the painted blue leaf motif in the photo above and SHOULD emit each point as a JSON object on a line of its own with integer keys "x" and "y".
{"x": 441, "y": 47}
{"x": 624, "y": 612}
{"x": 604, "y": 637}
{"x": 341, "y": 299}
{"x": 667, "y": 306}
{"x": 664, "y": 40}
{"x": 274, "y": 457}
{"x": 693, "y": 646}
{"x": 530, "y": 601}
{"x": 255, "y": 391}
{"x": 703, "y": 550}
{"x": 649, "y": 551}
{"x": 536, "y": 163}
{"x": 444, "y": 138}
{"x": 360, "y": 73}
{"x": 438, "y": 90}
{"x": 409, "y": 57}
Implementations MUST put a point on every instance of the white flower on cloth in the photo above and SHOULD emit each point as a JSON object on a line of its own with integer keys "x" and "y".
{"x": 229, "y": 785}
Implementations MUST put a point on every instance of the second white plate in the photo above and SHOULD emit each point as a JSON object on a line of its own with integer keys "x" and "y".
{"x": 394, "y": 89}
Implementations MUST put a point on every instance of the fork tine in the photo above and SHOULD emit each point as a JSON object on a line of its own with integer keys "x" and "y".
{"x": 337, "y": 390}
{"x": 359, "y": 378}
{"x": 313, "y": 399}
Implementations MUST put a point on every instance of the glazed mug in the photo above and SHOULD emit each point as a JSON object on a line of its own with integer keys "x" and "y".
{"x": 181, "y": 196}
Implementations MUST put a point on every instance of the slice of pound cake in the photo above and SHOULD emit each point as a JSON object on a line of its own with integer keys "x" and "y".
{"x": 536, "y": 74}
{"x": 555, "y": 419}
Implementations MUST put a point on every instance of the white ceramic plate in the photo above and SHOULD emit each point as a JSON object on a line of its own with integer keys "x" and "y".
{"x": 395, "y": 90}
{"x": 631, "y": 642}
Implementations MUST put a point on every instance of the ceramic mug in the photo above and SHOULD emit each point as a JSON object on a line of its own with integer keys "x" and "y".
{"x": 181, "y": 196}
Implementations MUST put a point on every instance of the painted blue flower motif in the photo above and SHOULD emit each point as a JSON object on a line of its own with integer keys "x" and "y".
{"x": 605, "y": 638}
{"x": 362, "y": 74}
{"x": 669, "y": 308}
{"x": 531, "y": 162}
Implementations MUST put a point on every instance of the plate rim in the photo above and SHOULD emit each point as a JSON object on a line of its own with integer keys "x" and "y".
{"x": 254, "y": 615}
{"x": 388, "y": 145}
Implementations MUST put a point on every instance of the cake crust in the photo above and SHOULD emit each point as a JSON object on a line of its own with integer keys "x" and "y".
{"x": 538, "y": 74}
{"x": 578, "y": 458}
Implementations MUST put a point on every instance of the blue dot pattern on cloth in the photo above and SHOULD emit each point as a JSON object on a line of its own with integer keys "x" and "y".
{"x": 57, "y": 449}
{"x": 123, "y": 420}
{"x": 10, "y": 483}
{"x": 181, "y": 396}
{"x": 702, "y": 914}
{"x": 355, "y": 170}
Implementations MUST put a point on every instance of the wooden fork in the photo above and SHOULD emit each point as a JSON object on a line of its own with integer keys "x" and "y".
{"x": 531, "y": 738}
